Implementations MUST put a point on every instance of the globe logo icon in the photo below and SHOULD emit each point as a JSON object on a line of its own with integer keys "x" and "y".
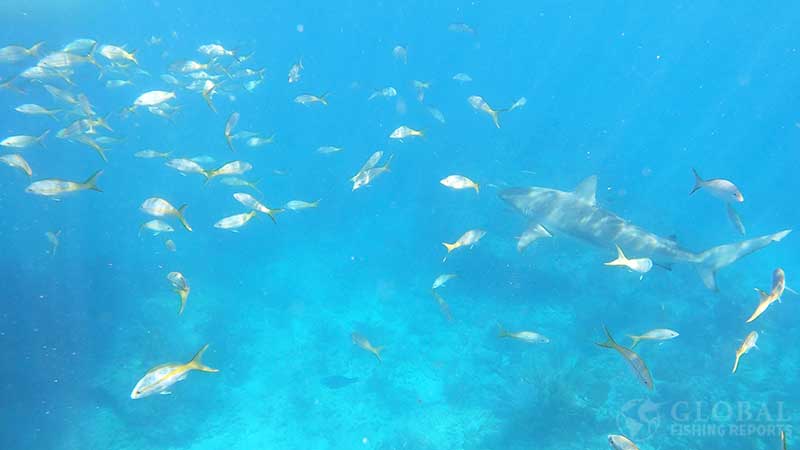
{"x": 639, "y": 419}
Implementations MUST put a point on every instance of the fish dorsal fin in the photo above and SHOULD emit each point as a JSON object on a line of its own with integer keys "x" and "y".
{"x": 586, "y": 190}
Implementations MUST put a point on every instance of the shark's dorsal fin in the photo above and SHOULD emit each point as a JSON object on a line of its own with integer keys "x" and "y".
{"x": 587, "y": 189}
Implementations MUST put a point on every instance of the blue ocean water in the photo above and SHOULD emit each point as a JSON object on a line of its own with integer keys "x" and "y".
{"x": 637, "y": 94}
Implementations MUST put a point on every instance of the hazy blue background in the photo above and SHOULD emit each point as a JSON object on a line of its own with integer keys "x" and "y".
{"x": 637, "y": 94}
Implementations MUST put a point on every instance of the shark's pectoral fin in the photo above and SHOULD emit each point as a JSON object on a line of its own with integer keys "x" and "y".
{"x": 708, "y": 275}
{"x": 587, "y": 190}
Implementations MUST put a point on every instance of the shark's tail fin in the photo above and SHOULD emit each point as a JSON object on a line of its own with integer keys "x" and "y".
{"x": 718, "y": 257}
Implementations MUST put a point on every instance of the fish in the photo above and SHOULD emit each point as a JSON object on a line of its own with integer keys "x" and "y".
{"x": 748, "y": 343}
{"x": 534, "y": 232}
{"x": 438, "y": 115}
{"x": 156, "y": 226}
{"x": 365, "y": 177}
{"x": 16, "y": 53}
{"x": 403, "y": 132}
{"x": 118, "y": 83}
{"x": 459, "y": 182}
{"x": 467, "y": 239}
{"x": 634, "y": 360}
{"x": 620, "y": 442}
{"x": 169, "y": 244}
{"x": 53, "y": 187}
{"x": 84, "y": 139}
{"x": 231, "y": 168}
{"x": 420, "y": 86}
{"x": 161, "y": 378}
{"x": 774, "y": 295}
{"x": 24, "y": 141}
{"x": 460, "y": 28}
{"x": 153, "y": 98}
{"x": 328, "y": 149}
{"x": 235, "y": 181}
{"x": 307, "y": 99}
{"x": 229, "y": 126}
{"x": 364, "y": 343}
{"x": 169, "y": 79}
{"x": 718, "y": 187}
{"x": 180, "y": 286}
{"x": 295, "y": 72}
{"x": 150, "y": 154}
{"x": 258, "y": 141}
{"x": 443, "y": 306}
{"x": 234, "y": 222}
{"x": 638, "y": 265}
{"x": 188, "y": 66}
{"x": 81, "y": 46}
{"x": 36, "y": 110}
{"x": 337, "y": 381}
{"x": 53, "y": 239}
{"x": 401, "y": 53}
{"x": 184, "y": 165}
{"x": 251, "y": 85}
{"x": 735, "y": 219}
{"x": 386, "y": 92}
{"x": 522, "y": 101}
{"x": 114, "y": 53}
{"x": 209, "y": 89}
{"x": 577, "y": 214}
{"x": 251, "y": 202}
{"x": 524, "y": 336}
{"x": 215, "y": 50}
{"x": 441, "y": 280}
{"x": 45, "y": 73}
{"x": 783, "y": 440}
{"x": 158, "y": 207}
{"x": 64, "y": 60}
{"x": 480, "y": 104}
{"x": 659, "y": 334}
{"x": 60, "y": 94}
{"x": 372, "y": 161}
{"x": 297, "y": 205}
{"x": 203, "y": 159}
{"x": 462, "y": 77}
{"x": 17, "y": 162}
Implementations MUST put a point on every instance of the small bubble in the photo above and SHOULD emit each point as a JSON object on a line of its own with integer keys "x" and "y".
{"x": 300, "y": 28}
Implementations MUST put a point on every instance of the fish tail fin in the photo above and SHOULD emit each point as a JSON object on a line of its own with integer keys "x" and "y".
{"x": 52, "y": 114}
{"x": 91, "y": 182}
{"x": 698, "y": 182}
{"x": 324, "y": 98}
{"x": 184, "y": 293}
{"x": 610, "y": 342}
{"x": 197, "y": 364}
{"x": 103, "y": 122}
{"x": 713, "y": 259}
{"x": 378, "y": 351}
{"x": 40, "y": 139}
{"x": 102, "y": 152}
{"x": 495, "y": 117}
{"x": 315, "y": 203}
{"x": 272, "y": 212}
{"x": 501, "y": 331}
{"x": 477, "y": 188}
{"x": 229, "y": 140}
{"x": 132, "y": 55}
{"x": 450, "y": 247}
{"x": 736, "y": 363}
{"x": 34, "y": 50}
{"x": 634, "y": 340}
{"x": 182, "y": 218}
{"x": 621, "y": 259}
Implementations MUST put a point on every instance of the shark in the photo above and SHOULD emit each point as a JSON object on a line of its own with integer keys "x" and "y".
{"x": 576, "y": 213}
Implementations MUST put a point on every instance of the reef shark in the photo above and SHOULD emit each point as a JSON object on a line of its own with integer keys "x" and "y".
{"x": 576, "y": 214}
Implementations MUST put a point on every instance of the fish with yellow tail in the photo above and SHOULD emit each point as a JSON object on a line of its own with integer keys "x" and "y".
{"x": 54, "y": 187}
{"x": 53, "y": 238}
{"x": 480, "y": 104}
{"x": 231, "y": 168}
{"x": 181, "y": 287}
{"x": 17, "y": 162}
{"x": 159, "y": 379}
{"x": 361, "y": 341}
{"x": 403, "y": 132}
{"x": 233, "y": 223}
{"x": 524, "y": 336}
{"x": 468, "y": 239}
{"x": 638, "y": 265}
{"x": 459, "y": 182}
{"x": 765, "y": 299}
{"x": 158, "y": 207}
{"x": 783, "y": 440}
{"x": 308, "y": 99}
{"x": 659, "y": 334}
{"x": 620, "y": 442}
{"x": 634, "y": 360}
{"x": 748, "y": 343}
{"x": 229, "y": 126}
{"x": 251, "y": 202}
